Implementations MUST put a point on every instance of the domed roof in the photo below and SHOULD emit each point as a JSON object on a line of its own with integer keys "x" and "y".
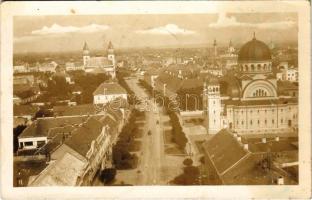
{"x": 254, "y": 50}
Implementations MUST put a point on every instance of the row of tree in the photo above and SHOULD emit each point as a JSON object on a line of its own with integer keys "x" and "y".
{"x": 122, "y": 157}
{"x": 178, "y": 136}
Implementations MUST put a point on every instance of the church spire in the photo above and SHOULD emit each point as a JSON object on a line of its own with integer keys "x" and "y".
{"x": 110, "y": 45}
{"x": 85, "y": 46}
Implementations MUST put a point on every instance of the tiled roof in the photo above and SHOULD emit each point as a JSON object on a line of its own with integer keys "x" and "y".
{"x": 83, "y": 136}
{"x": 224, "y": 150}
{"x": 85, "y": 109}
{"x": 63, "y": 172}
{"x": 109, "y": 88}
{"x": 20, "y": 110}
{"x": 42, "y": 126}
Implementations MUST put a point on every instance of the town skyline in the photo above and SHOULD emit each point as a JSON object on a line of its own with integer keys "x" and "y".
{"x": 50, "y": 33}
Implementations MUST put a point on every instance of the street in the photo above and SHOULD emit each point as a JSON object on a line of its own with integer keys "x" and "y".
{"x": 152, "y": 145}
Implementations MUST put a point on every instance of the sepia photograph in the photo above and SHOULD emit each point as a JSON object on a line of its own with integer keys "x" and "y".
{"x": 152, "y": 98}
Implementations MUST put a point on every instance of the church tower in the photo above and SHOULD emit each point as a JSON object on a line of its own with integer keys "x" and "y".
{"x": 231, "y": 49}
{"x": 212, "y": 104}
{"x": 215, "y": 49}
{"x": 85, "y": 54}
{"x": 111, "y": 57}
{"x": 110, "y": 53}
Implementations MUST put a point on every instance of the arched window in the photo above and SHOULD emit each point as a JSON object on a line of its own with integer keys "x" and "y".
{"x": 259, "y": 67}
{"x": 242, "y": 68}
{"x": 213, "y": 89}
{"x": 217, "y": 89}
{"x": 264, "y": 67}
{"x": 246, "y": 67}
{"x": 252, "y": 68}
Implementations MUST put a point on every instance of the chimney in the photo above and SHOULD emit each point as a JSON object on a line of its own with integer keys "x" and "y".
{"x": 263, "y": 140}
{"x": 280, "y": 180}
{"x": 276, "y": 138}
{"x": 246, "y": 146}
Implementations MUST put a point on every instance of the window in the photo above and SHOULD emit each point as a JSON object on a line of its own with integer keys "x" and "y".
{"x": 272, "y": 121}
{"x": 260, "y": 93}
{"x": 214, "y": 121}
{"x": 252, "y": 68}
{"x": 250, "y": 122}
{"x": 265, "y": 111}
{"x": 237, "y": 122}
{"x": 259, "y": 67}
{"x": 28, "y": 143}
{"x": 242, "y": 122}
{"x": 265, "y": 121}
{"x": 214, "y": 102}
{"x": 251, "y": 112}
{"x": 258, "y": 121}
{"x": 281, "y": 110}
{"x": 258, "y": 111}
{"x": 272, "y": 110}
{"x": 281, "y": 120}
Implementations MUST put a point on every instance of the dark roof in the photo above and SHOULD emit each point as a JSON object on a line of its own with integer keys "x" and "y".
{"x": 109, "y": 88}
{"x": 254, "y": 50}
{"x": 83, "y": 136}
{"x": 42, "y": 126}
{"x": 224, "y": 150}
{"x": 20, "y": 110}
{"x": 287, "y": 85}
{"x": 85, "y": 109}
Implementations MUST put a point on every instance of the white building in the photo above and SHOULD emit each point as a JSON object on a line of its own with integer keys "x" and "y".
{"x": 107, "y": 92}
{"x": 286, "y": 73}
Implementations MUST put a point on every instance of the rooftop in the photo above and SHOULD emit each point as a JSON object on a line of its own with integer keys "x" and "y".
{"x": 83, "y": 136}
{"x": 42, "y": 126}
{"x": 109, "y": 88}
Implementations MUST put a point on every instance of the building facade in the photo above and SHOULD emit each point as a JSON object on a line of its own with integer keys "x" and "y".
{"x": 250, "y": 100}
{"x": 99, "y": 64}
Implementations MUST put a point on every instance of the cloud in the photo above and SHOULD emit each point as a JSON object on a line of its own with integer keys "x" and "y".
{"x": 224, "y": 21}
{"x": 169, "y": 29}
{"x": 58, "y": 29}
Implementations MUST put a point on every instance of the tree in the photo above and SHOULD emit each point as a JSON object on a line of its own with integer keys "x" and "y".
{"x": 108, "y": 175}
{"x": 188, "y": 162}
{"x": 190, "y": 176}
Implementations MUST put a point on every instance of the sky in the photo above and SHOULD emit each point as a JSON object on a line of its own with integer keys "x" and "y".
{"x": 68, "y": 33}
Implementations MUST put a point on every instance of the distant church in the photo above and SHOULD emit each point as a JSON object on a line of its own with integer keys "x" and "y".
{"x": 100, "y": 64}
{"x": 251, "y": 100}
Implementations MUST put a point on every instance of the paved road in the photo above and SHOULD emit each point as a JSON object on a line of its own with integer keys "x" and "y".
{"x": 152, "y": 145}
